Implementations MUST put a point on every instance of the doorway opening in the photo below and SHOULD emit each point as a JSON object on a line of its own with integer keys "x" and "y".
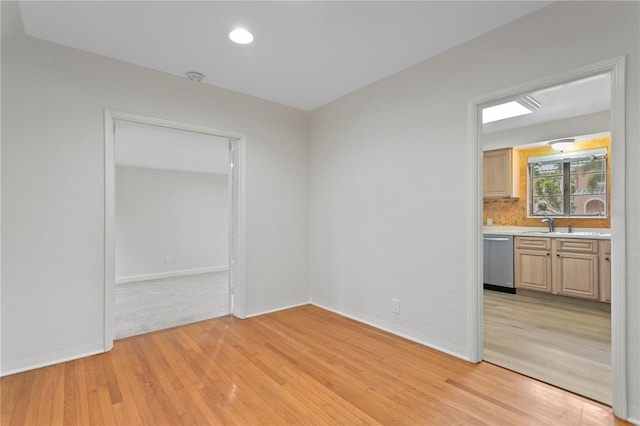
{"x": 614, "y": 70}
{"x": 172, "y": 221}
{"x": 174, "y": 224}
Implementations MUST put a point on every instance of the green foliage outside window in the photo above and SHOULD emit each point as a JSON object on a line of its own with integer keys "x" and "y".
{"x": 587, "y": 184}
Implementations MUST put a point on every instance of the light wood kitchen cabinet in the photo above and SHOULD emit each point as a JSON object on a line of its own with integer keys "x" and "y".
{"x": 532, "y": 257}
{"x": 501, "y": 174}
{"x": 565, "y": 266}
{"x": 576, "y": 268}
{"x": 605, "y": 271}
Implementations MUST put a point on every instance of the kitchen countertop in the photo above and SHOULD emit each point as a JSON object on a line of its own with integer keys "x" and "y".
{"x": 561, "y": 232}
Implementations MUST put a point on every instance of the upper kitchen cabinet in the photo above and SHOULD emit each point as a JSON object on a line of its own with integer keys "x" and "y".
{"x": 501, "y": 174}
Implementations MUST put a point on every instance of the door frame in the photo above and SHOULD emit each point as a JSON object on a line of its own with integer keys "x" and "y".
{"x": 616, "y": 68}
{"x": 237, "y": 227}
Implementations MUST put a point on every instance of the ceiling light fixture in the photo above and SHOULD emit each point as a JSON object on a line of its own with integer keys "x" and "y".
{"x": 521, "y": 106}
{"x": 241, "y": 36}
{"x": 562, "y": 144}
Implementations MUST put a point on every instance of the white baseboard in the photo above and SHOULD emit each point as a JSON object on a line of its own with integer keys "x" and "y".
{"x": 433, "y": 343}
{"x": 159, "y": 275}
{"x": 453, "y": 350}
{"x": 269, "y": 309}
{"x": 45, "y": 360}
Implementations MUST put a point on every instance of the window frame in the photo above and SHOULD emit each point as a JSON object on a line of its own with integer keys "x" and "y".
{"x": 565, "y": 159}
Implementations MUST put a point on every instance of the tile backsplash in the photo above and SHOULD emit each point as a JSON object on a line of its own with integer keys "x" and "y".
{"x": 513, "y": 212}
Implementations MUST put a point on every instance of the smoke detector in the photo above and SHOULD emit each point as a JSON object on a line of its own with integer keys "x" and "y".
{"x": 195, "y": 76}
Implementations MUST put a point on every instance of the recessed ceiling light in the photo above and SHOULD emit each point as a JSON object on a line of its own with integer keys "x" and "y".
{"x": 241, "y": 36}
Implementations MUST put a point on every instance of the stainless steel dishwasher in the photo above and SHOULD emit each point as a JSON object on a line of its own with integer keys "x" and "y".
{"x": 498, "y": 262}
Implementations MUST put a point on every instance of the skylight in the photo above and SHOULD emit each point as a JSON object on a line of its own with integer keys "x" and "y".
{"x": 502, "y": 111}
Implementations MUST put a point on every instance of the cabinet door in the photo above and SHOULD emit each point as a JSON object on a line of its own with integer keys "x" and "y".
{"x": 500, "y": 174}
{"x": 576, "y": 274}
{"x": 533, "y": 270}
{"x": 605, "y": 271}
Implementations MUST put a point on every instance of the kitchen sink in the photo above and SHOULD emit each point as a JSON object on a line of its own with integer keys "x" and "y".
{"x": 568, "y": 234}
{"x": 544, "y": 232}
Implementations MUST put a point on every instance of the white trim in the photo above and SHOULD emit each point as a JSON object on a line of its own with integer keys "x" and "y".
{"x": 424, "y": 340}
{"x": 230, "y": 212}
{"x": 169, "y": 274}
{"x": 238, "y": 268}
{"x": 140, "y": 119}
{"x": 45, "y": 360}
{"x": 302, "y": 302}
{"x": 618, "y": 240}
{"x": 109, "y": 229}
{"x": 475, "y": 302}
{"x": 567, "y": 155}
{"x": 615, "y": 66}
{"x": 239, "y": 254}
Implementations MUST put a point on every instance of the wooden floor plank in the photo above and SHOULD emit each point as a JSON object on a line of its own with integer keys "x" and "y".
{"x": 300, "y": 366}
{"x": 9, "y": 395}
{"x": 561, "y": 340}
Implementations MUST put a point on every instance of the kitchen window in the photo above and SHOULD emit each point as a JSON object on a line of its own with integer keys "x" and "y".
{"x": 570, "y": 184}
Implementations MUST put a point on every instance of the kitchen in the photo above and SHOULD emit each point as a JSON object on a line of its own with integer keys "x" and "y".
{"x": 547, "y": 239}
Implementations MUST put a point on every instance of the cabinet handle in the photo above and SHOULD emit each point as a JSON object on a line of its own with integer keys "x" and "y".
{"x": 548, "y": 254}
{"x": 557, "y": 255}
{"x": 606, "y": 258}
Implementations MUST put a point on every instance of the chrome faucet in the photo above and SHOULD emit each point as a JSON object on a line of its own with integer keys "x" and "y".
{"x": 549, "y": 221}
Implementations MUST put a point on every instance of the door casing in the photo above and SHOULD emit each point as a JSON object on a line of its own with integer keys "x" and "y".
{"x": 616, "y": 68}
{"x": 237, "y": 254}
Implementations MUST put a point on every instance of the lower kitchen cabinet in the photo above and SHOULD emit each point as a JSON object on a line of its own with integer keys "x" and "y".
{"x": 576, "y": 268}
{"x": 533, "y": 263}
{"x": 566, "y": 266}
{"x": 605, "y": 271}
{"x": 576, "y": 274}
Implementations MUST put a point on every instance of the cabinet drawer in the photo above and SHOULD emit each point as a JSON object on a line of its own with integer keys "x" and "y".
{"x": 576, "y": 245}
{"x": 533, "y": 243}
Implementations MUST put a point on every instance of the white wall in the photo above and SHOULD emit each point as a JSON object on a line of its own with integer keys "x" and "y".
{"x": 53, "y": 102}
{"x": 589, "y": 124}
{"x": 389, "y": 190}
{"x": 160, "y": 214}
{"x": 388, "y": 200}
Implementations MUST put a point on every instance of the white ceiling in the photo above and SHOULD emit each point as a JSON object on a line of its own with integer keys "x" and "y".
{"x": 581, "y": 97}
{"x": 305, "y": 53}
{"x": 141, "y": 145}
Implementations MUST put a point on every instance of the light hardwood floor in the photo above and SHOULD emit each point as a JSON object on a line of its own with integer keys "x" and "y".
{"x": 151, "y": 305}
{"x": 299, "y": 366}
{"x": 559, "y": 340}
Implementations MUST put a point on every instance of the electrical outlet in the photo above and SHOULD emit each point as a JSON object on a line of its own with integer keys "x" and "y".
{"x": 167, "y": 259}
{"x": 489, "y": 221}
{"x": 395, "y": 306}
